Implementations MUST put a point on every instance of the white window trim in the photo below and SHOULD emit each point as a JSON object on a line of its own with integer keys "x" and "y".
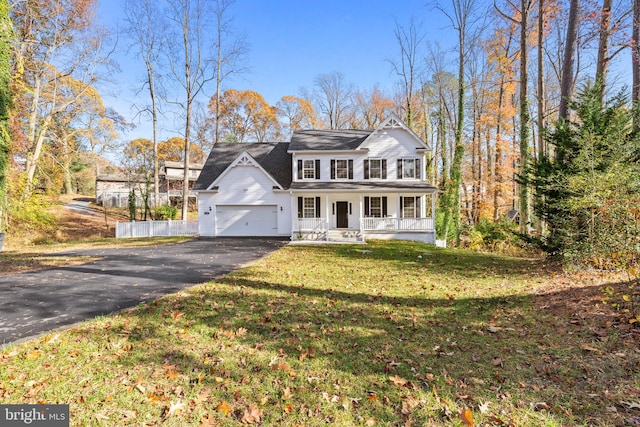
{"x": 404, "y": 168}
{"x": 417, "y": 207}
{"x": 379, "y": 160}
{"x": 305, "y": 169}
{"x": 378, "y": 208}
{"x": 346, "y": 169}
{"x": 312, "y": 207}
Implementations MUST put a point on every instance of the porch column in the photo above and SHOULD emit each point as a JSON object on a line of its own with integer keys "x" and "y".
{"x": 294, "y": 212}
{"x": 361, "y": 214}
{"x": 327, "y": 212}
{"x": 433, "y": 209}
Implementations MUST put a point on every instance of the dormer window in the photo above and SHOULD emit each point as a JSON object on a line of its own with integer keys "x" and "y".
{"x": 309, "y": 169}
{"x": 408, "y": 168}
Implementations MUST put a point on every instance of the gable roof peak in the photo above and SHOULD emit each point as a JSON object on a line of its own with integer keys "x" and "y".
{"x": 394, "y": 122}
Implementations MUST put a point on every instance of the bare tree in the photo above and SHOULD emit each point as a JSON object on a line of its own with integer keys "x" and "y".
{"x": 462, "y": 18}
{"x": 603, "y": 46}
{"x": 189, "y": 66}
{"x": 635, "y": 60}
{"x": 566, "y": 84}
{"x": 541, "y": 94}
{"x": 525, "y": 117}
{"x": 407, "y": 66}
{"x": 144, "y": 23}
{"x": 333, "y": 95}
{"x": 231, "y": 52}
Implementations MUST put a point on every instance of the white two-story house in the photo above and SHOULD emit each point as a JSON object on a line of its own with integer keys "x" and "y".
{"x": 323, "y": 185}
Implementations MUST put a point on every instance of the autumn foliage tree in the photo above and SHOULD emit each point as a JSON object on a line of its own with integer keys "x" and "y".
{"x": 295, "y": 113}
{"x": 246, "y": 117}
{"x": 5, "y": 104}
{"x": 58, "y": 51}
{"x": 140, "y": 153}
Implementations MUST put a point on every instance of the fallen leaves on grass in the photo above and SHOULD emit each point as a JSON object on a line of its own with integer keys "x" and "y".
{"x": 174, "y": 408}
{"x": 252, "y": 415}
{"x": 223, "y": 408}
{"x": 398, "y": 381}
{"x": 467, "y": 417}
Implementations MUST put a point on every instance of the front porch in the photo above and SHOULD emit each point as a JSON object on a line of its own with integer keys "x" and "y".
{"x": 318, "y": 230}
{"x": 343, "y": 216}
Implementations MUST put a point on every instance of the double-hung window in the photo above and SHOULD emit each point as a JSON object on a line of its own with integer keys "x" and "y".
{"x": 409, "y": 168}
{"x": 375, "y": 169}
{"x": 410, "y": 207}
{"x": 375, "y": 207}
{"x": 308, "y": 207}
{"x": 308, "y": 169}
{"x": 341, "y": 169}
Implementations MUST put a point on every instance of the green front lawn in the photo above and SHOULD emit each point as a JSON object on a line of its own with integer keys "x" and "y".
{"x": 391, "y": 333}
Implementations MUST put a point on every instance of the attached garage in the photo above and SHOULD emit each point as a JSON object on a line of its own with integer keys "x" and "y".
{"x": 246, "y": 220}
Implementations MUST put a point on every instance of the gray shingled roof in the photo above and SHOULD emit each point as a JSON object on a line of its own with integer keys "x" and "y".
{"x": 364, "y": 186}
{"x": 273, "y": 157}
{"x": 327, "y": 140}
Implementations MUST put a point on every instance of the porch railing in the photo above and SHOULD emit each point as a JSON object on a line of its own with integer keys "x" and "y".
{"x": 397, "y": 224}
{"x": 156, "y": 228}
{"x": 312, "y": 224}
{"x": 310, "y": 229}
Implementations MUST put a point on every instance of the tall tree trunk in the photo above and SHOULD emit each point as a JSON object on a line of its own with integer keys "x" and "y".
{"x": 541, "y": 96}
{"x": 460, "y": 16}
{"x": 66, "y": 166}
{"x": 458, "y": 154}
{"x": 566, "y": 84}
{"x": 635, "y": 62}
{"x": 602, "y": 63}
{"x": 154, "y": 121}
{"x": 189, "y": 96}
{"x": 451, "y": 205}
{"x": 218, "y": 74}
{"x": 5, "y": 104}
{"x": 499, "y": 167}
{"x": 442, "y": 138}
{"x": 525, "y": 210}
{"x": 187, "y": 147}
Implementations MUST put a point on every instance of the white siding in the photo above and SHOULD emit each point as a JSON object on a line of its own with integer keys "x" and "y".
{"x": 243, "y": 185}
{"x": 389, "y": 144}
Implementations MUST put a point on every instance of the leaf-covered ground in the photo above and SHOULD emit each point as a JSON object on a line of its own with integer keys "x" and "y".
{"x": 392, "y": 333}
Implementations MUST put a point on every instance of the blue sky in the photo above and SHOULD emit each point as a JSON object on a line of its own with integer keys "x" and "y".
{"x": 291, "y": 42}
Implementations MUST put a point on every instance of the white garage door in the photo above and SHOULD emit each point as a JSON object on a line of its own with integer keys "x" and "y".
{"x": 246, "y": 220}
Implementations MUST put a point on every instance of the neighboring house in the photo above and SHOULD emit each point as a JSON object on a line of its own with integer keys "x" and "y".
{"x": 114, "y": 189}
{"x": 172, "y": 177}
{"x": 323, "y": 185}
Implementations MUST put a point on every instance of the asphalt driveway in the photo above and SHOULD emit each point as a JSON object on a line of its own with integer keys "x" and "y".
{"x": 35, "y": 302}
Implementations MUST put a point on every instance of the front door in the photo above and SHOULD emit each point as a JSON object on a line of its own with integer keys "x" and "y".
{"x": 342, "y": 213}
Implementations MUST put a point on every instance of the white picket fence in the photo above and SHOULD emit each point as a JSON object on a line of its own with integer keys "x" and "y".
{"x": 156, "y": 228}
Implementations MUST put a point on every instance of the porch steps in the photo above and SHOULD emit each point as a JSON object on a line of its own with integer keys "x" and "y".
{"x": 345, "y": 236}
